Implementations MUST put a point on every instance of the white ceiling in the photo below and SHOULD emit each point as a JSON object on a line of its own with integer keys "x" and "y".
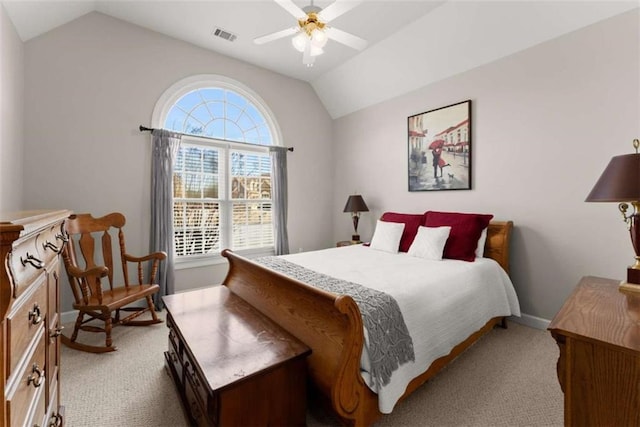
{"x": 424, "y": 32}
{"x": 373, "y": 21}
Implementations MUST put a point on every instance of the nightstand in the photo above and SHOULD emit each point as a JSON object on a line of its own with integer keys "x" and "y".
{"x": 598, "y": 333}
{"x": 347, "y": 243}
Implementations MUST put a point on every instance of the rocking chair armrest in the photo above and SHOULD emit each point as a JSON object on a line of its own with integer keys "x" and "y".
{"x": 99, "y": 271}
{"x": 153, "y": 256}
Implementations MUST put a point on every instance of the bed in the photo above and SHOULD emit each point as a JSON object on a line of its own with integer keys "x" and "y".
{"x": 332, "y": 326}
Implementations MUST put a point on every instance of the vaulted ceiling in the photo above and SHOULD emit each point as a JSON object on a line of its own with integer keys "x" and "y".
{"x": 410, "y": 43}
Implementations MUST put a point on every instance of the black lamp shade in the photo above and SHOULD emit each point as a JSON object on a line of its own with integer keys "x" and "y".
{"x": 356, "y": 203}
{"x": 620, "y": 181}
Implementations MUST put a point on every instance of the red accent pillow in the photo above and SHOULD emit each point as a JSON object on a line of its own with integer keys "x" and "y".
{"x": 411, "y": 223}
{"x": 466, "y": 229}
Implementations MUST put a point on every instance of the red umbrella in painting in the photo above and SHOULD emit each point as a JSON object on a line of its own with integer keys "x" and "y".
{"x": 438, "y": 143}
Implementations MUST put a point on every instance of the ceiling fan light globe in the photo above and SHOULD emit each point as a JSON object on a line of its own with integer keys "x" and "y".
{"x": 319, "y": 38}
{"x": 299, "y": 42}
{"x": 316, "y": 51}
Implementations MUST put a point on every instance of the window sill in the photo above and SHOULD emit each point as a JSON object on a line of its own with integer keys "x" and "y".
{"x": 217, "y": 259}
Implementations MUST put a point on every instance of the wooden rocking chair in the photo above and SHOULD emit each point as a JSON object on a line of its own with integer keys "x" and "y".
{"x": 86, "y": 281}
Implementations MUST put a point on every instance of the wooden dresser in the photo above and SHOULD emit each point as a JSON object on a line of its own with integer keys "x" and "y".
{"x": 231, "y": 364}
{"x": 598, "y": 332}
{"x": 30, "y": 244}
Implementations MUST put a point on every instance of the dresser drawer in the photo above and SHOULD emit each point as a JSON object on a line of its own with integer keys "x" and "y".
{"x": 53, "y": 417}
{"x": 28, "y": 387}
{"x": 53, "y": 357}
{"x": 176, "y": 362}
{"x": 50, "y": 242}
{"x": 24, "y": 321}
{"x": 25, "y": 264}
{"x": 197, "y": 383}
{"x": 38, "y": 418}
{"x": 174, "y": 352}
{"x": 200, "y": 392}
{"x": 195, "y": 406}
{"x": 174, "y": 340}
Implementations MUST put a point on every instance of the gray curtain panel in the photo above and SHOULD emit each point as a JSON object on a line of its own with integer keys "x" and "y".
{"x": 280, "y": 198}
{"x": 165, "y": 149}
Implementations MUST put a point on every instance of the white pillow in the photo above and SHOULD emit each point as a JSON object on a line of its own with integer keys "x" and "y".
{"x": 481, "y": 242}
{"x": 429, "y": 242}
{"x": 387, "y": 236}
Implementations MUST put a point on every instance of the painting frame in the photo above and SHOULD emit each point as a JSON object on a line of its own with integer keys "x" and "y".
{"x": 439, "y": 148}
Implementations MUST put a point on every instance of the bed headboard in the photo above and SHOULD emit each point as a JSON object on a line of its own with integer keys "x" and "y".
{"x": 497, "y": 244}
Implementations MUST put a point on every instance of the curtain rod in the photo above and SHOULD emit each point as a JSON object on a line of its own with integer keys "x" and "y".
{"x": 146, "y": 129}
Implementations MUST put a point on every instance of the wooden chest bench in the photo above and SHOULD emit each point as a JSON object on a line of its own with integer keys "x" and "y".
{"x": 231, "y": 364}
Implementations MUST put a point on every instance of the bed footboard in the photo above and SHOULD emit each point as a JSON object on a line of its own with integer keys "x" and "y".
{"x": 331, "y": 325}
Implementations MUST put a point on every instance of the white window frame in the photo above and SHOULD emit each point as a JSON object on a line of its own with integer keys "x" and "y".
{"x": 158, "y": 118}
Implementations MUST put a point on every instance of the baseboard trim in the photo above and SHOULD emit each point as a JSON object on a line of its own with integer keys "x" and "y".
{"x": 72, "y": 315}
{"x": 531, "y": 321}
{"x": 68, "y": 316}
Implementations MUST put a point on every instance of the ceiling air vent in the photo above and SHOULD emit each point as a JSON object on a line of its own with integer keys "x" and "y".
{"x": 224, "y": 34}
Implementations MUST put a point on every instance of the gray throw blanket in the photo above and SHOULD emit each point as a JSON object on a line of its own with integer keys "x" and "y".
{"x": 389, "y": 342}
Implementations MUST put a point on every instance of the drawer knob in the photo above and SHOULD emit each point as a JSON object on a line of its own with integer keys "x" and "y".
{"x": 55, "y": 420}
{"x": 35, "y": 315}
{"x": 36, "y": 376}
{"x": 57, "y": 332}
{"x": 49, "y": 245}
{"x": 195, "y": 410}
{"x": 30, "y": 259}
{"x": 193, "y": 377}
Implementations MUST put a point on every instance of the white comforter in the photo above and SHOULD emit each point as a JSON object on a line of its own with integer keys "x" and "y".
{"x": 442, "y": 302}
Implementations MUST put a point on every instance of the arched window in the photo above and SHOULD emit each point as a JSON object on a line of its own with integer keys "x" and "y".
{"x": 219, "y": 113}
{"x": 222, "y": 174}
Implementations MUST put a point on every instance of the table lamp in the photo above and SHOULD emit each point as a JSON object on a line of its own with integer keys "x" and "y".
{"x": 620, "y": 182}
{"x": 355, "y": 205}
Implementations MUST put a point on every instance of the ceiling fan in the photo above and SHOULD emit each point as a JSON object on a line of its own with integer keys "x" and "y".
{"x": 313, "y": 31}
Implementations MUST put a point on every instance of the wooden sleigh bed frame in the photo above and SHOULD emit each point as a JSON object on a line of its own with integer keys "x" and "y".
{"x": 332, "y": 326}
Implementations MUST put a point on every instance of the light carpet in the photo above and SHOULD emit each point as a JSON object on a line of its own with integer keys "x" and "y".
{"x": 508, "y": 378}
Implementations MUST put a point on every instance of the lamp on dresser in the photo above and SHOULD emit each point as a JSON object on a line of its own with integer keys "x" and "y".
{"x": 355, "y": 205}
{"x": 620, "y": 182}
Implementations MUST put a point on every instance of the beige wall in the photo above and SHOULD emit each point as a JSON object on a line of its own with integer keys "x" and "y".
{"x": 11, "y": 115}
{"x": 90, "y": 83}
{"x": 545, "y": 123}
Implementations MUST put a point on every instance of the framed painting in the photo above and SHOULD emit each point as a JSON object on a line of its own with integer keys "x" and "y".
{"x": 439, "y": 152}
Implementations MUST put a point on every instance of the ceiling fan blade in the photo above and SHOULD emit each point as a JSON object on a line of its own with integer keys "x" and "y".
{"x": 336, "y": 9}
{"x": 345, "y": 38}
{"x": 275, "y": 36}
{"x": 292, "y": 8}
